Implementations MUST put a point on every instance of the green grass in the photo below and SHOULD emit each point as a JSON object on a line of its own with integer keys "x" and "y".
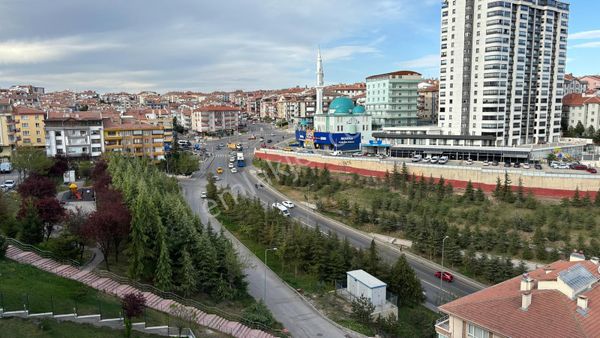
{"x": 49, "y": 328}
{"x": 26, "y": 286}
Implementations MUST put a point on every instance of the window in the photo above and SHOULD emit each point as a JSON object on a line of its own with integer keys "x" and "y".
{"x": 25, "y": 125}
{"x": 476, "y": 332}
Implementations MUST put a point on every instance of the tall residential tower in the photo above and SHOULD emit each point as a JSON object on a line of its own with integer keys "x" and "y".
{"x": 502, "y": 69}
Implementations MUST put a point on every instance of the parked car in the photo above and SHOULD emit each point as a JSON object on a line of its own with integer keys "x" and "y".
{"x": 336, "y": 153}
{"x": 495, "y": 163}
{"x": 434, "y": 159}
{"x": 577, "y": 166}
{"x": 507, "y": 165}
{"x": 526, "y": 166}
{"x": 517, "y": 165}
{"x": 287, "y": 149}
{"x": 288, "y": 204}
{"x": 6, "y": 167}
{"x": 9, "y": 184}
{"x": 427, "y": 159}
{"x": 486, "y": 163}
{"x": 591, "y": 170}
{"x": 469, "y": 161}
{"x": 537, "y": 166}
{"x": 443, "y": 160}
{"x": 203, "y": 194}
{"x": 446, "y": 276}
{"x": 563, "y": 166}
{"x": 417, "y": 158}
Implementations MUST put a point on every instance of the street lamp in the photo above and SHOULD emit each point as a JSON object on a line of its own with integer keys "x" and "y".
{"x": 266, "y": 267}
{"x": 442, "y": 274}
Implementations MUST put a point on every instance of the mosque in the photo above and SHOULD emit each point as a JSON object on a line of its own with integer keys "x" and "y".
{"x": 343, "y": 128}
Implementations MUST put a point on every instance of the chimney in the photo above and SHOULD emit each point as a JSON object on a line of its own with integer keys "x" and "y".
{"x": 526, "y": 283}
{"x": 576, "y": 256}
{"x": 525, "y": 300}
{"x": 595, "y": 260}
{"x": 582, "y": 302}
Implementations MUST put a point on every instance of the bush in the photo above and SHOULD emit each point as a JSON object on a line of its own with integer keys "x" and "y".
{"x": 362, "y": 308}
{"x": 258, "y": 313}
{"x": 3, "y": 246}
{"x": 64, "y": 246}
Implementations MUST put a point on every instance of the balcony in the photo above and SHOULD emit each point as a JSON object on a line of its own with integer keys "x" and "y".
{"x": 442, "y": 326}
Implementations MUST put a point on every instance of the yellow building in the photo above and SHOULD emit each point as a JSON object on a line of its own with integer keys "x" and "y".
{"x": 133, "y": 137}
{"x": 29, "y": 123}
{"x": 7, "y": 129}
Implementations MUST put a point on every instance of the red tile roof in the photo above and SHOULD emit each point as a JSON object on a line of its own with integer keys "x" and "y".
{"x": 24, "y": 110}
{"x": 77, "y": 116}
{"x": 551, "y": 313}
{"x": 576, "y": 99}
{"x": 218, "y": 108}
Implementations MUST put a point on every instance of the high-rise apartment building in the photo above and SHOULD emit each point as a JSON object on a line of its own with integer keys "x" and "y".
{"x": 392, "y": 99}
{"x": 502, "y": 69}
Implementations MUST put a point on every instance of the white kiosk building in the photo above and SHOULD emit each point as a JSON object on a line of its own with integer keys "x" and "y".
{"x": 363, "y": 284}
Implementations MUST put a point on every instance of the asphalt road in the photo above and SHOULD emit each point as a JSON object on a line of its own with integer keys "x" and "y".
{"x": 244, "y": 182}
{"x": 287, "y": 306}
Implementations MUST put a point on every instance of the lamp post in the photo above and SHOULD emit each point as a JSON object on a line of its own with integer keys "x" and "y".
{"x": 442, "y": 274}
{"x": 266, "y": 267}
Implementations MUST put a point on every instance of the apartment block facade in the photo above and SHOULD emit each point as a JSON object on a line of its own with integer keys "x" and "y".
{"x": 215, "y": 119}
{"x": 134, "y": 138}
{"x": 7, "y": 129}
{"x": 79, "y": 134}
{"x": 29, "y": 127}
{"x": 502, "y": 69}
{"x": 392, "y": 99}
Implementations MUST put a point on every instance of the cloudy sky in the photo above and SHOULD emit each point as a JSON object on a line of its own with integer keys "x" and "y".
{"x": 206, "y": 45}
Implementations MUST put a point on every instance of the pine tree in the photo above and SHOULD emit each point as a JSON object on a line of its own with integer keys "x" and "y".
{"x": 404, "y": 173}
{"x": 373, "y": 259}
{"x": 396, "y": 177}
{"x": 189, "y": 276}
{"x": 520, "y": 191}
{"x": 479, "y": 195}
{"x": 576, "y": 200}
{"x": 507, "y": 193}
{"x": 32, "y": 227}
{"x": 404, "y": 283}
{"x": 597, "y": 198}
{"x": 469, "y": 194}
{"x": 163, "y": 273}
{"x": 498, "y": 190}
{"x": 139, "y": 228}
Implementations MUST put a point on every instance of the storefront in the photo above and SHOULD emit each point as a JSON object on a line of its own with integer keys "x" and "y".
{"x": 328, "y": 141}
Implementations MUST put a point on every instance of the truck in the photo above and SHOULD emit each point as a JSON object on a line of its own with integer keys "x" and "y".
{"x": 240, "y": 160}
{"x": 231, "y": 146}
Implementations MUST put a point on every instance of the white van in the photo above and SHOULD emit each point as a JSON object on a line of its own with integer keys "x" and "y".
{"x": 417, "y": 158}
{"x": 443, "y": 160}
{"x": 5, "y": 167}
{"x": 282, "y": 209}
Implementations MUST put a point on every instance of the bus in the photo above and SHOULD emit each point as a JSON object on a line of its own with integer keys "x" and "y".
{"x": 240, "y": 160}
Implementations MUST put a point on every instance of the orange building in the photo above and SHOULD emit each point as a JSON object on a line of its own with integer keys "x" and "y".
{"x": 29, "y": 124}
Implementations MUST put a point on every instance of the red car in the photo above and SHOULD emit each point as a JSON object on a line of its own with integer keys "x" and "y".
{"x": 591, "y": 170}
{"x": 579, "y": 166}
{"x": 446, "y": 277}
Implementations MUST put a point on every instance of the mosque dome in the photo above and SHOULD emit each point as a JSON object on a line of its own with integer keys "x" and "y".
{"x": 341, "y": 105}
{"x": 358, "y": 110}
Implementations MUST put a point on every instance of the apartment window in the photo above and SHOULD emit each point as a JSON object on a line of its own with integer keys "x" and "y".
{"x": 26, "y": 132}
{"x": 39, "y": 140}
{"x": 25, "y": 125}
{"x": 476, "y": 332}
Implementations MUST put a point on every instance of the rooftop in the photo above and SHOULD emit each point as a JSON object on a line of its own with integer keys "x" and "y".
{"x": 397, "y": 73}
{"x": 552, "y": 313}
{"x": 366, "y": 278}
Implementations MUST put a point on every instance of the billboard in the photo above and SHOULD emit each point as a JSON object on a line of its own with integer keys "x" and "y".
{"x": 337, "y": 141}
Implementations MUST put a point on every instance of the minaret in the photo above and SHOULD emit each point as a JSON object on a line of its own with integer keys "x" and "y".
{"x": 319, "y": 87}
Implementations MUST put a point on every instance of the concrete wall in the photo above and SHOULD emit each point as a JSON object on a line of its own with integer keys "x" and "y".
{"x": 542, "y": 184}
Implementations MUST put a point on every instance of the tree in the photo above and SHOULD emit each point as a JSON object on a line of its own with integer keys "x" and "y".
{"x": 183, "y": 315}
{"x": 3, "y": 246}
{"x": 362, "y": 308}
{"x": 31, "y": 160}
{"x": 162, "y": 276}
{"x": 37, "y": 186}
{"x": 32, "y": 227}
{"x": 373, "y": 259}
{"x": 58, "y": 168}
{"x": 133, "y": 305}
{"x": 469, "y": 194}
{"x": 50, "y": 212}
{"x": 579, "y": 129}
{"x": 211, "y": 189}
{"x": 498, "y": 190}
{"x": 257, "y": 313}
{"x": 403, "y": 281}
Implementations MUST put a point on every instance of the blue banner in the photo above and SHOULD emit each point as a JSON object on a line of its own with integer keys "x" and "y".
{"x": 337, "y": 141}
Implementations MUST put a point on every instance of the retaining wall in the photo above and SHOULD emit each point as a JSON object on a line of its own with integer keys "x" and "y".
{"x": 540, "y": 183}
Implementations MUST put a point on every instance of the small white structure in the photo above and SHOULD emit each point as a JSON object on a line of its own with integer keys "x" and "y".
{"x": 363, "y": 284}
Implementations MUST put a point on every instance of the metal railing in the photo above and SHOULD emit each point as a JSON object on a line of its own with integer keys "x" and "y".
{"x": 42, "y": 253}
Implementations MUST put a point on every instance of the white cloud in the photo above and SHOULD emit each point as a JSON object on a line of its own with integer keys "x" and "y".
{"x": 425, "y": 62}
{"x": 586, "y": 35}
{"x": 23, "y": 52}
{"x": 594, "y": 44}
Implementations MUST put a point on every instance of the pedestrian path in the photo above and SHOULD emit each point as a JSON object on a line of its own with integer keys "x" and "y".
{"x": 115, "y": 288}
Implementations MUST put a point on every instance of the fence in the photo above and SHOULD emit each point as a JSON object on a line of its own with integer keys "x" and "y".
{"x": 42, "y": 253}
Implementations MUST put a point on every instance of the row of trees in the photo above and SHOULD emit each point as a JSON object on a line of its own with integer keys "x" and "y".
{"x": 512, "y": 224}
{"x": 311, "y": 252}
{"x": 167, "y": 244}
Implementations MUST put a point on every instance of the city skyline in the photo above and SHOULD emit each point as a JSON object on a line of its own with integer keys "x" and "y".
{"x": 232, "y": 45}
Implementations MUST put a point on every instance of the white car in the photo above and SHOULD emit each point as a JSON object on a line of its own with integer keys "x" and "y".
{"x": 288, "y": 204}
{"x": 443, "y": 160}
{"x": 427, "y": 159}
{"x": 486, "y": 163}
{"x": 231, "y": 165}
{"x": 417, "y": 158}
{"x": 9, "y": 184}
{"x": 469, "y": 161}
{"x": 234, "y": 170}
{"x": 203, "y": 194}
{"x": 434, "y": 159}
{"x": 526, "y": 166}
{"x": 282, "y": 209}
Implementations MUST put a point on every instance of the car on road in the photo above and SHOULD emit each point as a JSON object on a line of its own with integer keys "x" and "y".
{"x": 287, "y": 149}
{"x": 537, "y": 166}
{"x": 203, "y": 194}
{"x": 252, "y": 137}
{"x": 272, "y": 134}
{"x": 269, "y": 141}
{"x": 591, "y": 170}
{"x": 219, "y": 170}
{"x": 288, "y": 204}
{"x": 8, "y": 185}
{"x": 446, "y": 276}
{"x": 232, "y": 159}
{"x": 234, "y": 170}
{"x": 231, "y": 165}
{"x": 282, "y": 209}
{"x": 577, "y": 166}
